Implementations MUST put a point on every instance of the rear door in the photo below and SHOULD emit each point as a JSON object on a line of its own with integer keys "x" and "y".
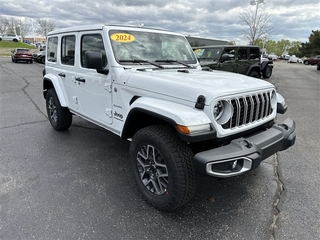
{"x": 67, "y": 69}
{"x": 243, "y": 60}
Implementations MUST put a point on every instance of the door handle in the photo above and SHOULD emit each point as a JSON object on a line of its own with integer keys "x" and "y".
{"x": 62, "y": 75}
{"x": 80, "y": 79}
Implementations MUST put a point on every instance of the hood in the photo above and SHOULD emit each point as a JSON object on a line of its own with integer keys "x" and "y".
{"x": 188, "y": 84}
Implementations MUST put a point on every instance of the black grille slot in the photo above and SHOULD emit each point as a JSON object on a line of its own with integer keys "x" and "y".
{"x": 249, "y": 109}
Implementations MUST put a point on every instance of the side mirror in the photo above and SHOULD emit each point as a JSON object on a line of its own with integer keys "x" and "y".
{"x": 224, "y": 57}
{"x": 94, "y": 60}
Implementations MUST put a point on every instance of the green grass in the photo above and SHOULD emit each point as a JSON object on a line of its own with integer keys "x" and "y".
{"x": 4, "y": 44}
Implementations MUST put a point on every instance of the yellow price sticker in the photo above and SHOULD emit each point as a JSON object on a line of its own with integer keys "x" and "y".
{"x": 197, "y": 50}
{"x": 122, "y": 37}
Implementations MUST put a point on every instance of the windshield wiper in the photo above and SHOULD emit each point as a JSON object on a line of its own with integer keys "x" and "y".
{"x": 141, "y": 61}
{"x": 174, "y": 61}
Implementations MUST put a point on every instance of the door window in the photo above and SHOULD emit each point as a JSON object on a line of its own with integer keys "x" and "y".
{"x": 92, "y": 42}
{"x": 255, "y": 53}
{"x": 67, "y": 49}
{"x": 228, "y": 54}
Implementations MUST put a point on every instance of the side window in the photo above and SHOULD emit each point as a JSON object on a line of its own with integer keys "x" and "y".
{"x": 92, "y": 42}
{"x": 242, "y": 54}
{"x": 228, "y": 54}
{"x": 67, "y": 49}
{"x": 52, "y": 48}
{"x": 255, "y": 53}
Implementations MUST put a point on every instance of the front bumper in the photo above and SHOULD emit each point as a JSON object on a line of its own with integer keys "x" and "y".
{"x": 245, "y": 154}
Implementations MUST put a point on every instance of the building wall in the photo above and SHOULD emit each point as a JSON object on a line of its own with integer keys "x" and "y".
{"x": 37, "y": 39}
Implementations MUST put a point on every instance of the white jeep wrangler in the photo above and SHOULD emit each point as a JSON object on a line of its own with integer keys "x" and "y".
{"x": 146, "y": 85}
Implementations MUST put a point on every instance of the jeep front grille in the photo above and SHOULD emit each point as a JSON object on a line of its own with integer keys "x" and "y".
{"x": 249, "y": 109}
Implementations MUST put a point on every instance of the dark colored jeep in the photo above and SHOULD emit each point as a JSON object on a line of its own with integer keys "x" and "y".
{"x": 234, "y": 58}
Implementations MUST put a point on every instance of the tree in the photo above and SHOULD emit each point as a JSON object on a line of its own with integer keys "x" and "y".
{"x": 4, "y": 23}
{"x": 258, "y": 25}
{"x": 295, "y": 48}
{"x": 313, "y": 46}
{"x": 45, "y": 26}
{"x": 22, "y": 29}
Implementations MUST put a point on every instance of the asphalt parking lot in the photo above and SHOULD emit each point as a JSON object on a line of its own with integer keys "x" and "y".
{"x": 77, "y": 184}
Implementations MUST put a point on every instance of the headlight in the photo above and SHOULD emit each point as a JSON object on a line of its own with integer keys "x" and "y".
{"x": 222, "y": 111}
{"x": 218, "y": 110}
{"x": 274, "y": 98}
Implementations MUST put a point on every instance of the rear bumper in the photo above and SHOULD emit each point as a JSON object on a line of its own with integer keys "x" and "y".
{"x": 24, "y": 58}
{"x": 245, "y": 154}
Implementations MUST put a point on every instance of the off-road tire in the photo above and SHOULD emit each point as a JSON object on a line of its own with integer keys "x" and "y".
{"x": 59, "y": 117}
{"x": 254, "y": 74}
{"x": 157, "y": 151}
{"x": 267, "y": 72}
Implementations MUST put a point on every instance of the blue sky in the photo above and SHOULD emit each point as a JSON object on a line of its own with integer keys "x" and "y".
{"x": 291, "y": 19}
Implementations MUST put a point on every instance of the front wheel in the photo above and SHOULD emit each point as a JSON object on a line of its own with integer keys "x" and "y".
{"x": 306, "y": 62}
{"x": 267, "y": 72}
{"x": 59, "y": 117}
{"x": 254, "y": 74}
{"x": 163, "y": 167}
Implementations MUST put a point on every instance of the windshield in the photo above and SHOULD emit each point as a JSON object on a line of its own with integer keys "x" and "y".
{"x": 136, "y": 47}
{"x": 208, "y": 53}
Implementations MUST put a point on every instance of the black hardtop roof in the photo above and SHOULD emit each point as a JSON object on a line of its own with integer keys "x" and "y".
{"x": 222, "y": 46}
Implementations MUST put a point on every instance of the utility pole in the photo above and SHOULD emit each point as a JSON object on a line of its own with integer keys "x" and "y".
{"x": 256, "y": 3}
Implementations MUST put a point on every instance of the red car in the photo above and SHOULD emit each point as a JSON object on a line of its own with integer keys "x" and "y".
{"x": 313, "y": 60}
{"x": 21, "y": 54}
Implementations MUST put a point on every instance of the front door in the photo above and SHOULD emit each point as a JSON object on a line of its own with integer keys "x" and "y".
{"x": 94, "y": 90}
{"x": 227, "y": 60}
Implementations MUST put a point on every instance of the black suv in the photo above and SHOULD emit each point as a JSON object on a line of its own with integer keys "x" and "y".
{"x": 234, "y": 58}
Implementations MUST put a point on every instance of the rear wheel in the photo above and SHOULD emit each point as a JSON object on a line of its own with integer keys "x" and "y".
{"x": 59, "y": 117}
{"x": 306, "y": 62}
{"x": 163, "y": 167}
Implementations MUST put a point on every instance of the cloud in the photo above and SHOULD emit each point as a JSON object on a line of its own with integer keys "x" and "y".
{"x": 210, "y": 19}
